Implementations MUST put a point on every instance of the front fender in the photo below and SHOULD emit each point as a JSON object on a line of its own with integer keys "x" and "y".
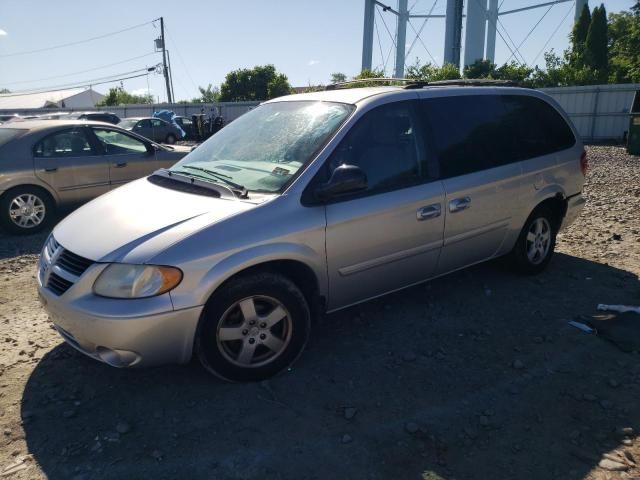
{"x": 239, "y": 261}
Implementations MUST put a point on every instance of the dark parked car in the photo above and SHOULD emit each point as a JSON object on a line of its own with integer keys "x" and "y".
{"x": 152, "y": 128}
{"x": 107, "y": 117}
{"x": 188, "y": 127}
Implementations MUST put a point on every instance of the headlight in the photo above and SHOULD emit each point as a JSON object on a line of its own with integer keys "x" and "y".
{"x": 120, "y": 280}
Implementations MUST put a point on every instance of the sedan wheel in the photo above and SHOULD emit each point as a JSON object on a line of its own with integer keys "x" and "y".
{"x": 535, "y": 245}
{"x": 27, "y": 211}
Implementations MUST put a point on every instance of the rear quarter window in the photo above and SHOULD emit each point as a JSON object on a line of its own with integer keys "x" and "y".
{"x": 536, "y": 128}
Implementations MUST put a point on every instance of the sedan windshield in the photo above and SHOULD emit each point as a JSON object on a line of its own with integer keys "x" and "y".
{"x": 265, "y": 147}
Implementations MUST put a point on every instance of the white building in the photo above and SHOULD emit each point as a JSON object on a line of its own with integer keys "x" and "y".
{"x": 76, "y": 98}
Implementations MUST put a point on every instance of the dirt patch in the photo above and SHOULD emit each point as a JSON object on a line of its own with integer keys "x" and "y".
{"x": 475, "y": 375}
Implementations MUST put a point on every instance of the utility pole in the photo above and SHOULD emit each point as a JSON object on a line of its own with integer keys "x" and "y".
{"x": 164, "y": 62}
{"x": 403, "y": 17}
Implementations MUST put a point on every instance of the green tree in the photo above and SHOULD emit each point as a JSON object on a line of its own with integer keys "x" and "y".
{"x": 624, "y": 45}
{"x": 480, "y": 69}
{"x": 119, "y": 96}
{"x": 596, "y": 53}
{"x": 432, "y": 73}
{"x": 514, "y": 71}
{"x": 210, "y": 94}
{"x": 261, "y": 82}
{"x": 338, "y": 77}
{"x": 5, "y": 90}
{"x": 578, "y": 36}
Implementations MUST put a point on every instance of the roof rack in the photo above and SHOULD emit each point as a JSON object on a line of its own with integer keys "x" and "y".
{"x": 412, "y": 83}
{"x": 336, "y": 86}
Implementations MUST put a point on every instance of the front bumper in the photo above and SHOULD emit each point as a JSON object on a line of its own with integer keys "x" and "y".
{"x": 121, "y": 333}
{"x": 575, "y": 204}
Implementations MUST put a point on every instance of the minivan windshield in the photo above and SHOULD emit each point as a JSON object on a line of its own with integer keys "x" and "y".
{"x": 265, "y": 147}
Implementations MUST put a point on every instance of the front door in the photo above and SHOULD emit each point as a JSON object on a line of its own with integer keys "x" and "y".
{"x": 129, "y": 158}
{"x": 390, "y": 235}
{"x": 69, "y": 162}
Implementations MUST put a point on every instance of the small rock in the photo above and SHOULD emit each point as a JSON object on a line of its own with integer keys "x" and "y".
{"x": 409, "y": 357}
{"x": 123, "y": 427}
{"x": 612, "y": 466}
{"x": 350, "y": 412}
{"x": 518, "y": 365}
{"x": 346, "y": 438}
{"x": 157, "y": 454}
{"x": 7, "y": 431}
{"x": 69, "y": 413}
{"x": 630, "y": 456}
{"x": 624, "y": 431}
{"x": 616, "y": 236}
{"x": 411, "y": 427}
{"x": 613, "y": 383}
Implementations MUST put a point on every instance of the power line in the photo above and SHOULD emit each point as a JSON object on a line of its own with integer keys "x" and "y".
{"x": 77, "y": 86}
{"x": 54, "y": 47}
{"x": 195, "y": 87}
{"x": 424, "y": 24}
{"x": 85, "y": 83}
{"x": 83, "y": 71}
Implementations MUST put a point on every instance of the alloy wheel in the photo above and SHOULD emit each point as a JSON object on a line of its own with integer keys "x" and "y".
{"x": 27, "y": 210}
{"x": 254, "y": 331}
{"x": 538, "y": 240}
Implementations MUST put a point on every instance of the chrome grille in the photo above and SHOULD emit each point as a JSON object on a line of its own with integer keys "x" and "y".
{"x": 60, "y": 268}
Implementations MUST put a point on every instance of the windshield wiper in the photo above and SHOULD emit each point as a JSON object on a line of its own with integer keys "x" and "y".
{"x": 240, "y": 190}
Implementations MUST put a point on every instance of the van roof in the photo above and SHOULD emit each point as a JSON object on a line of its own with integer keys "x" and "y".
{"x": 356, "y": 95}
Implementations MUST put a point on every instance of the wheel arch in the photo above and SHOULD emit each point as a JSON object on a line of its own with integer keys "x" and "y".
{"x": 557, "y": 203}
{"x": 36, "y": 185}
{"x": 301, "y": 264}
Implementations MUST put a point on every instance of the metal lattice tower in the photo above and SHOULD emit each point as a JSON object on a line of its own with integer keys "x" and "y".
{"x": 482, "y": 18}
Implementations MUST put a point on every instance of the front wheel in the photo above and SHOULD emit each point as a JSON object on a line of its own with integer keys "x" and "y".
{"x": 25, "y": 210}
{"x": 536, "y": 243}
{"x": 253, "y": 327}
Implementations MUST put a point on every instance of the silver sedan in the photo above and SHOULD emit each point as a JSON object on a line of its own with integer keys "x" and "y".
{"x": 45, "y": 164}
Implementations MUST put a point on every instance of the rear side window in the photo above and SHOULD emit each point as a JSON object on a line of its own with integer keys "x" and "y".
{"x": 68, "y": 143}
{"x": 468, "y": 132}
{"x": 536, "y": 128}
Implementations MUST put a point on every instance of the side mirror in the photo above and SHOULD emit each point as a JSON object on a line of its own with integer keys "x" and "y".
{"x": 344, "y": 179}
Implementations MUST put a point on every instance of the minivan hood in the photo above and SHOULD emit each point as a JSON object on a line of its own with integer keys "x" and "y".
{"x": 137, "y": 221}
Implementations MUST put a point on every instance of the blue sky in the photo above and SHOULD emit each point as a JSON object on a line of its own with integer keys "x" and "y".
{"x": 305, "y": 40}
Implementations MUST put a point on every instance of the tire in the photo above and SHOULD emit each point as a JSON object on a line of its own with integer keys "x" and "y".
{"x": 536, "y": 242}
{"x": 171, "y": 139}
{"x": 39, "y": 210}
{"x": 233, "y": 348}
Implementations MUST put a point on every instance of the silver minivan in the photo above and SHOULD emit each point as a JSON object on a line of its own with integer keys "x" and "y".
{"x": 307, "y": 204}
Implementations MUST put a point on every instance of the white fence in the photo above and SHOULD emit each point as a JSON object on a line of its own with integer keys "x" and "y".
{"x": 599, "y": 112}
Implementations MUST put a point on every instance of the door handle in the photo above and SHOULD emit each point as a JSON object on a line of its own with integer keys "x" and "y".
{"x": 430, "y": 211}
{"x": 120, "y": 165}
{"x": 459, "y": 204}
{"x": 52, "y": 169}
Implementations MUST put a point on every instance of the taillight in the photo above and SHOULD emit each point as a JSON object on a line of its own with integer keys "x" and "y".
{"x": 584, "y": 163}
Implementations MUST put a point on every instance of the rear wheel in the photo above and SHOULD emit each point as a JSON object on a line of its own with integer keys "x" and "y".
{"x": 171, "y": 139}
{"x": 25, "y": 210}
{"x": 253, "y": 327}
{"x": 536, "y": 243}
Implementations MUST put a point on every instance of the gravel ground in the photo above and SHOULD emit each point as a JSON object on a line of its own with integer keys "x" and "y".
{"x": 473, "y": 376}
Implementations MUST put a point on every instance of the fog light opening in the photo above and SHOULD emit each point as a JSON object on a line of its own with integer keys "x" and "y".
{"x": 117, "y": 358}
